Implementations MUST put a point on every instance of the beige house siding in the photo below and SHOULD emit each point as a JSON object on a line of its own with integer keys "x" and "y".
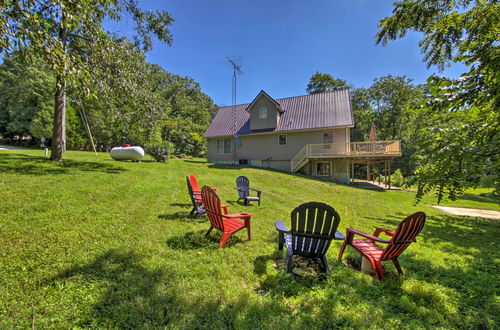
{"x": 272, "y": 114}
{"x": 264, "y": 150}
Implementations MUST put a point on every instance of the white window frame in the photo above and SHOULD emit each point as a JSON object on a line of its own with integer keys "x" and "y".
{"x": 327, "y": 145}
{"x": 263, "y": 113}
{"x": 279, "y": 139}
{"x": 329, "y": 169}
{"x": 223, "y": 144}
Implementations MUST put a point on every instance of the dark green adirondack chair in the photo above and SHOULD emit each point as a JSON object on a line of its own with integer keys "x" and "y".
{"x": 314, "y": 225}
{"x": 243, "y": 187}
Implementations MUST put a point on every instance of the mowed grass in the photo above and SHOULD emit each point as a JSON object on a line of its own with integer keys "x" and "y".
{"x": 95, "y": 243}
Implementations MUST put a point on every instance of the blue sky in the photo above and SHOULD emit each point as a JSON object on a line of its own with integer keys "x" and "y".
{"x": 280, "y": 44}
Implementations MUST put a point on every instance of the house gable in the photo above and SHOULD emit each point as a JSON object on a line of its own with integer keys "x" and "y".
{"x": 264, "y": 112}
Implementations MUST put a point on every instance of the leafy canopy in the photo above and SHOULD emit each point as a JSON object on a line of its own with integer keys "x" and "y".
{"x": 459, "y": 137}
{"x": 324, "y": 82}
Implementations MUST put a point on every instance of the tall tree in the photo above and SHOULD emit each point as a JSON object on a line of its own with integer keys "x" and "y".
{"x": 387, "y": 103}
{"x": 64, "y": 32}
{"x": 461, "y": 142}
{"x": 324, "y": 82}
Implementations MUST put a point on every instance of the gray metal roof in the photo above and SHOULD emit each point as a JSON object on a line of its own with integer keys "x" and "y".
{"x": 322, "y": 110}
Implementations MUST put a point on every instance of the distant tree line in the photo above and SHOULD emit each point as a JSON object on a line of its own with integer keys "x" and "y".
{"x": 128, "y": 101}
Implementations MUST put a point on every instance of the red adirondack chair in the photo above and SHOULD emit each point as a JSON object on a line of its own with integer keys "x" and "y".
{"x": 227, "y": 223}
{"x": 401, "y": 238}
{"x": 194, "y": 184}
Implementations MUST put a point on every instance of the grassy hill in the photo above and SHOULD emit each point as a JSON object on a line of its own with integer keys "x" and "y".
{"x": 95, "y": 243}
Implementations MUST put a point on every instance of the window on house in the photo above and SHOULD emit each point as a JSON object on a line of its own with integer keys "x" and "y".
{"x": 224, "y": 146}
{"x": 282, "y": 139}
{"x": 263, "y": 113}
{"x": 323, "y": 169}
{"x": 327, "y": 140}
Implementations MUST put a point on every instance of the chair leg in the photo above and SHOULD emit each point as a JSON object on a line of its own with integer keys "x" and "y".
{"x": 398, "y": 266}
{"x": 224, "y": 239}
{"x": 209, "y": 231}
{"x": 249, "y": 233}
{"x": 281, "y": 241}
{"x": 192, "y": 211}
{"x": 289, "y": 263}
{"x": 325, "y": 263}
{"x": 377, "y": 267}
{"x": 342, "y": 249}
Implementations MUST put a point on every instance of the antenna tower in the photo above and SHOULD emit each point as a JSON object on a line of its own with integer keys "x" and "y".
{"x": 236, "y": 69}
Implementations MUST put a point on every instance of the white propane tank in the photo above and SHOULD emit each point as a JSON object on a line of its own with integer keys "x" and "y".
{"x": 127, "y": 153}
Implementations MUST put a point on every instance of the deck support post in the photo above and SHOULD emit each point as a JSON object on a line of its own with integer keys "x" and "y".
{"x": 389, "y": 173}
{"x": 385, "y": 173}
{"x": 352, "y": 170}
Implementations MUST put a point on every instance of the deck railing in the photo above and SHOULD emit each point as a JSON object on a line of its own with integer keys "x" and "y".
{"x": 353, "y": 149}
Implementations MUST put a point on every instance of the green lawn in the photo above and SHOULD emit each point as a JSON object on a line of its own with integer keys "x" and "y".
{"x": 96, "y": 243}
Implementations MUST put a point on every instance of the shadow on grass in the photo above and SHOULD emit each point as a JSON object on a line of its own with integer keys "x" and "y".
{"x": 479, "y": 198}
{"x": 196, "y": 240}
{"x": 136, "y": 296}
{"x": 181, "y": 204}
{"x": 131, "y": 299}
{"x": 32, "y": 165}
{"x": 182, "y": 215}
{"x": 195, "y": 161}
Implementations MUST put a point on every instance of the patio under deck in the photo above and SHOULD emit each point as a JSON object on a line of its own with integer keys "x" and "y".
{"x": 369, "y": 153}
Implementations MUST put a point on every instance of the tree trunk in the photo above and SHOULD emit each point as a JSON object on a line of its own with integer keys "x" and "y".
{"x": 59, "y": 132}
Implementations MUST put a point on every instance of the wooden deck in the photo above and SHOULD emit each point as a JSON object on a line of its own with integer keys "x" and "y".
{"x": 369, "y": 151}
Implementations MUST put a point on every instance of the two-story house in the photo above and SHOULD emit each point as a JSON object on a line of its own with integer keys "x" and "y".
{"x": 308, "y": 134}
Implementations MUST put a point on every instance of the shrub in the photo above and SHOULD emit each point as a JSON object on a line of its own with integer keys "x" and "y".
{"x": 159, "y": 151}
{"x": 397, "y": 178}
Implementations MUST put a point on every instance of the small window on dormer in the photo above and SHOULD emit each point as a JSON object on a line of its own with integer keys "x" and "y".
{"x": 263, "y": 113}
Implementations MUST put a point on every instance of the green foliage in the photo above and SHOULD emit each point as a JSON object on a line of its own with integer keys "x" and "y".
{"x": 324, "y": 82}
{"x": 27, "y": 101}
{"x": 27, "y": 92}
{"x": 159, "y": 151}
{"x": 67, "y": 34}
{"x": 120, "y": 251}
{"x": 388, "y": 103}
{"x": 458, "y": 137}
{"x": 397, "y": 178}
{"x": 138, "y": 102}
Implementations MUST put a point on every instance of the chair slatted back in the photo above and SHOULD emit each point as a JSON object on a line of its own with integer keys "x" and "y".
{"x": 191, "y": 194}
{"x": 313, "y": 227}
{"x": 404, "y": 235}
{"x": 243, "y": 184}
{"x": 194, "y": 182}
{"x": 211, "y": 203}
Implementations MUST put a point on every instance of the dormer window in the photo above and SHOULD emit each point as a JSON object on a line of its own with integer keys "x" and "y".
{"x": 263, "y": 113}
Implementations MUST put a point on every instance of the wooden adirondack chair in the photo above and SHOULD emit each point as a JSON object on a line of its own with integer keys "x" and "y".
{"x": 194, "y": 184}
{"x": 227, "y": 223}
{"x": 195, "y": 200}
{"x": 401, "y": 238}
{"x": 243, "y": 187}
{"x": 314, "y": 225}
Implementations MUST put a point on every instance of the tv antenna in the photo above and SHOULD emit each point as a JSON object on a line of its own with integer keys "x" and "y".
{"x": 236, "y": 69}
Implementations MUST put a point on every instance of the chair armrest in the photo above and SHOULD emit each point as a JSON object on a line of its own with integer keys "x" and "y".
{"x": 339, "y": 236}
{"x": 255, "y": 190}
{"x": 238, "y": 188}
{"x": 360, "y": 233}
{"x": 281, "y": 227}
{"x": 238, "y": 216}
{"x": 383, "y": 230}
